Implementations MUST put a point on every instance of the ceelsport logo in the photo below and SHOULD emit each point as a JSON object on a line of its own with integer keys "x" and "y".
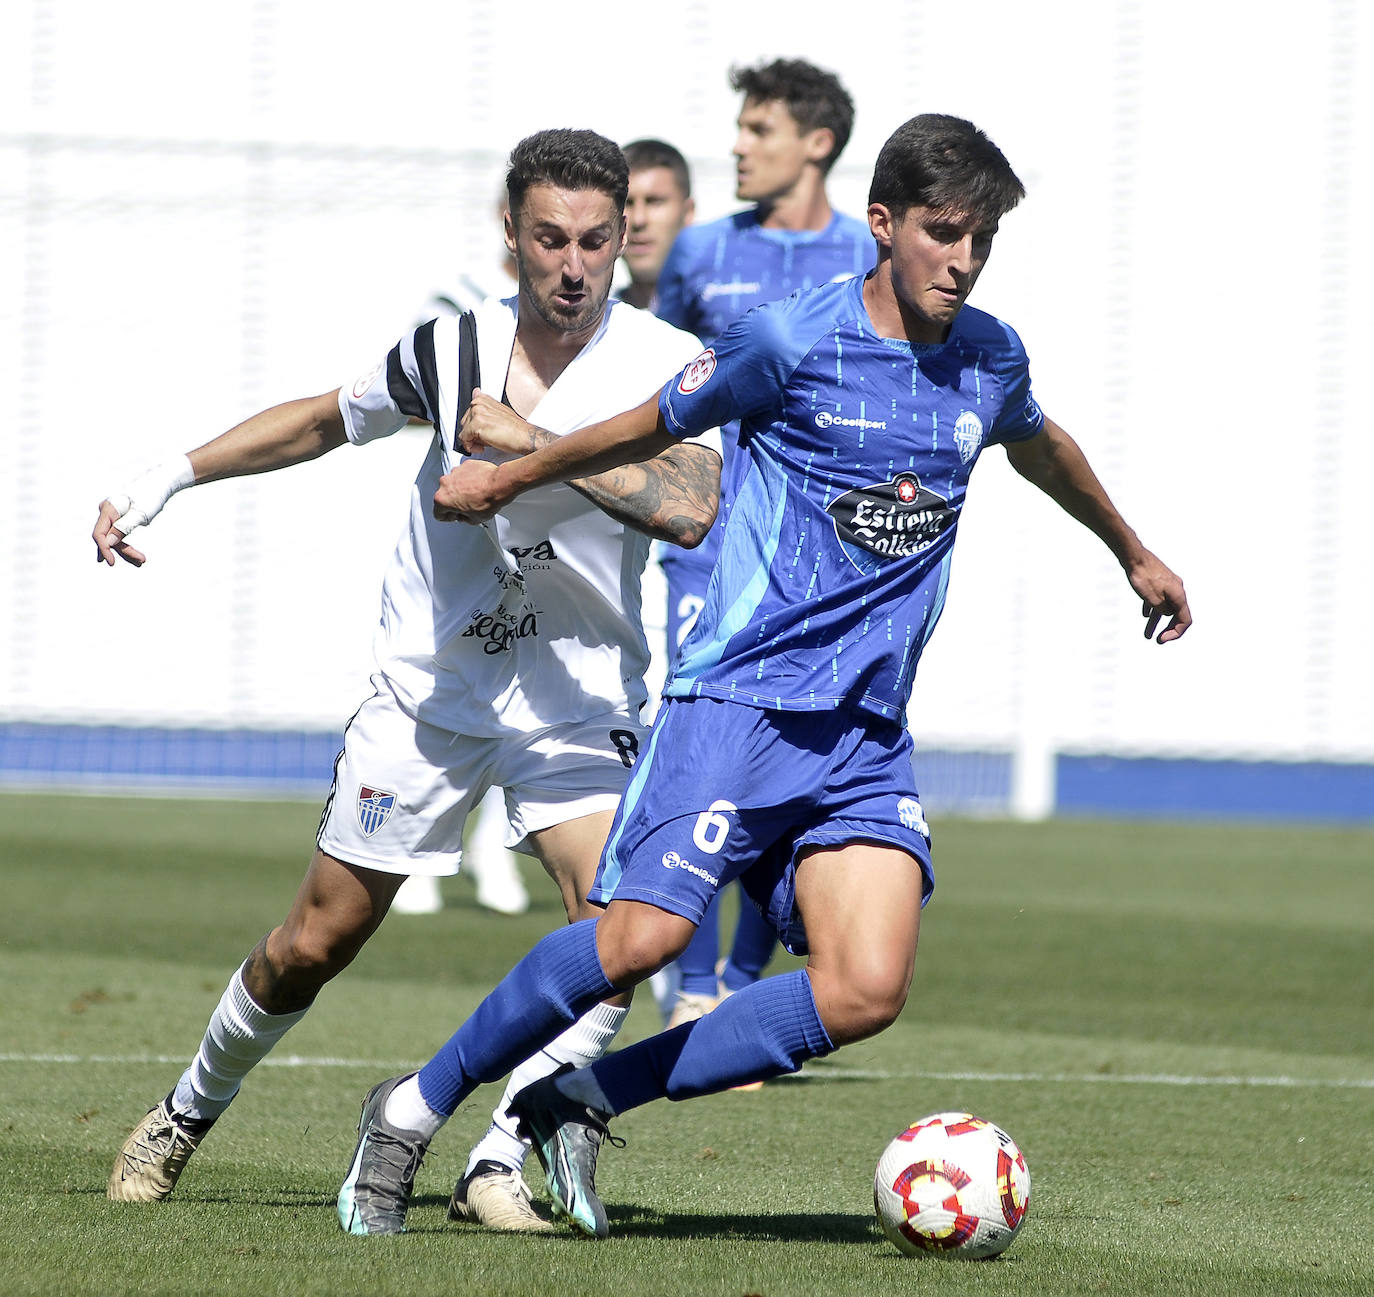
{"x": 697, "y": 372}
{"x": 671, "y": 860}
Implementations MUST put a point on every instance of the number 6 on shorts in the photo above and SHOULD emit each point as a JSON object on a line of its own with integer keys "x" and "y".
{"x": 712, "y": 827}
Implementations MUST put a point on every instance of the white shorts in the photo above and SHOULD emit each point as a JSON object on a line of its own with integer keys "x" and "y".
{"x": 403, "y": 788}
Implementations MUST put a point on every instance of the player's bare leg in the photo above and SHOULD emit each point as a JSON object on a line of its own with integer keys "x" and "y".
{"x": 861, "y": 905}
{"x": 337, "y": 907}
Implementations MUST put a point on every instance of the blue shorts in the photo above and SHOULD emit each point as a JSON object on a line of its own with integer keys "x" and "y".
{"x": 723, "y": 790}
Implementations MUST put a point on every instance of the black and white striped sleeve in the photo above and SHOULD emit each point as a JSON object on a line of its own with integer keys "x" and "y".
{"x": 404, "y": 386}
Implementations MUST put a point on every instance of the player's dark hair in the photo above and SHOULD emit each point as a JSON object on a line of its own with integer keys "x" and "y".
{"x": 814, "y": 97}
{"x": 946, "y": 163}
{"x": 644, "y": 155}
{"x": 568, "y": 160}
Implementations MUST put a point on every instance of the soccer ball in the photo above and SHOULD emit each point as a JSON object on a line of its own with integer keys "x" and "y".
{"x": 952, "y": 1184}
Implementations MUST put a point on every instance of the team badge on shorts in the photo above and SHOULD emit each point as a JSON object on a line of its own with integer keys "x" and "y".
{"x": 912, "y": 816}
{"x": 374, "y": 808}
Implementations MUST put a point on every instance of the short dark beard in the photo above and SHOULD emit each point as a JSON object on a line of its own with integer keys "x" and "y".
{"x": 589, "y": 315}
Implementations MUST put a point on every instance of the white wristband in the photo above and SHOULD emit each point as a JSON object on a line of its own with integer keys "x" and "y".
{"x": 142, "y": 500}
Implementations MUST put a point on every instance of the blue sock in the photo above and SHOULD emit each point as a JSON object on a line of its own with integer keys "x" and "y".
{"x": 766, "y": 1030}
{"x": 698, "y": 962}
{"x": 751, "y": 949}
{"x": 558, "y": 981}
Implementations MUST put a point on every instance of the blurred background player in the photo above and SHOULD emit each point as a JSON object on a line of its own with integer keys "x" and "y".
{"x": 660, "y": 203}
{"x": 487, "y": 860}
{"x": 792, "y": 127}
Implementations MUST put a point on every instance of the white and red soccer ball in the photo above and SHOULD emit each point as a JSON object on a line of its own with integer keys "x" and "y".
{"x": 953, "y": 1185}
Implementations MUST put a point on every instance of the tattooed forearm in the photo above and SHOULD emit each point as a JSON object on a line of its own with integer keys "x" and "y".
{"x": 671, "y": 497}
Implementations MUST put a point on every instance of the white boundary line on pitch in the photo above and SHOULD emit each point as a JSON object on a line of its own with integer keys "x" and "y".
{"x": 813, "y": 1074}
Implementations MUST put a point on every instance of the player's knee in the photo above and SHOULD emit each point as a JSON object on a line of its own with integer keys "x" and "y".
{"x": 633, "y": 944}
{"x": 313, "y": 951}
{"x": 863, "y": 1003}
{"x": 636, "y": 956}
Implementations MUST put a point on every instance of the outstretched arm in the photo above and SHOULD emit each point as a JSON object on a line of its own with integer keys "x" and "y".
{"x": 1053, "y": 461}
{"x": 629, "y": 466}
{"x": 285, "y": 434}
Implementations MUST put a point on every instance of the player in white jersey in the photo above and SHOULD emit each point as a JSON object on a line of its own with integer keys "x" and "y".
{"x": 508, "y": 655}
{"x": 493, "y": 868}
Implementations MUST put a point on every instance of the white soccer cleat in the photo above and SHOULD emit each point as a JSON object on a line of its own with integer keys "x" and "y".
{"x": 154, "y": 1156}
{"x": 498, "y": 1198}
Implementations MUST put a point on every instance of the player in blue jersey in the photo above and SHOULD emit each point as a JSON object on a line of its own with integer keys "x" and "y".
{"x": 793, "y": 124}
{"x": 658, "y": 206}
{"x": 781, "y": 757}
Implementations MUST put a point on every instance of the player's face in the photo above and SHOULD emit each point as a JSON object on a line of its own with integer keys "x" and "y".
{"x": 772, "y": 151}
{"x": 937, "y": 257}
{"x": 655, "y": 211}
{"x": 565, "y": 242}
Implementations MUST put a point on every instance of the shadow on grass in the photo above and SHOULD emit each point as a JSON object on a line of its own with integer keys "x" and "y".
{"x": 774, "y": 1227}
{"x": 641, "y": 1223}
{"x": 627, "y": 1221}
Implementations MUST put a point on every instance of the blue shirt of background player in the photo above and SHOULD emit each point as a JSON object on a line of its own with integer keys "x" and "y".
{"x": 855, "y": 454}
{"x": 717, "y": 271}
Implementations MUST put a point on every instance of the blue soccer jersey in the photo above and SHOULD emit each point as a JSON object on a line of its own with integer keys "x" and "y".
{"x": 719, "y": 270}
{"x": 855, "y": 453}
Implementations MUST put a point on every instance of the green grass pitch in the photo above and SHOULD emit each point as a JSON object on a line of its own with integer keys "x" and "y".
{"x": 1175, "y": 1022}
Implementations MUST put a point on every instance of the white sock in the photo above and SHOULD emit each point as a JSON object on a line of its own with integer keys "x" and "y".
{"x": 582, "y": 1043}
{"x": 238, "y": 1036}
{"x": 406, "y": 1108}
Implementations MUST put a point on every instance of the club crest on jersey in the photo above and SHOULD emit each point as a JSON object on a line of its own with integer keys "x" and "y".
{"x": 893, "y": 519}
{"x": 968, "y": 435}
{"x": 374, "y": 808}
{"x": 696, "y": 374}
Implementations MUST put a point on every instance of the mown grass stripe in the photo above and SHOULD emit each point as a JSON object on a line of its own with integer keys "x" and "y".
{"x": 809, "y": 1074}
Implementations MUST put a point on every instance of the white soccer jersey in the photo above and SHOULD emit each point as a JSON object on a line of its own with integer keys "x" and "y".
{"x": 533, "y": 619}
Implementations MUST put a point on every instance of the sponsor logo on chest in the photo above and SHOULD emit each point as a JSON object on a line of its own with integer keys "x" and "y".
{"x": 825, "y": 419}
{"x": 893, "y": 519}
{"x": 709, "y": 292}
{"x": 498, "y": 631}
